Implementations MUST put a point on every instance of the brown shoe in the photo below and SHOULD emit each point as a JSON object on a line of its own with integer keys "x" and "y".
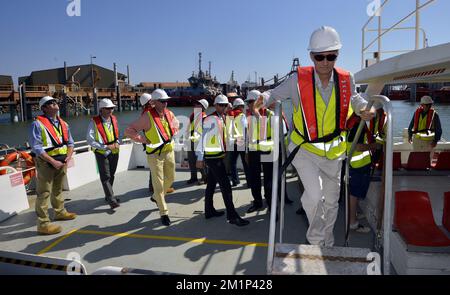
{"x": 49, "y": 229}
{"x": 65, "y": 216}
{"x": 170, "y": 190}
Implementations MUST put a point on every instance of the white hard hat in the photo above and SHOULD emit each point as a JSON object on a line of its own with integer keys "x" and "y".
{"x": 265, "y": 95}
{"x": 44, "y": 100}
{"x": 159, "y": 94}
{"x": 238, "y": 102}
{"x": 204, "y": 103}
{"x": 105, "y": 103}
{"x": 253, "y": 95}
{"x": 426, "y": 100}
{"x": 145, "y": 98}
{"x": 324, "y": 39}
{"x": 221, "y": 99}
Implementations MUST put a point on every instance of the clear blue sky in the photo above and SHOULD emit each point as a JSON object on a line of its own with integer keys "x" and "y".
{"x": 160, "y": 39}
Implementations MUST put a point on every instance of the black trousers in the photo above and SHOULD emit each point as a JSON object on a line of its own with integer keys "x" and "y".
{"x": 192, "y": 159}
{"x": 218, "y": 174}
{"x": 233, "y": 167}
{"x": 254, "y": 164}
{"x": 107, "y": 167}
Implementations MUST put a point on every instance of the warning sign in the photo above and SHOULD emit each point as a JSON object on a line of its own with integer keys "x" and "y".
{"x": 16, "y": 179}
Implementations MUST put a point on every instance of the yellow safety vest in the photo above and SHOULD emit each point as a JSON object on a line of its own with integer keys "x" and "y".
{"x": 109, "y": 135}
{"x": 425, "y": 136}
{"x": 47, "y": 143}
{"x": 261, "y": 133}
{"x": 215, "y": 145}
{"x": 359, "y": 159}
{"x": 157, "y": 143}
{"x": 326, "y": 122}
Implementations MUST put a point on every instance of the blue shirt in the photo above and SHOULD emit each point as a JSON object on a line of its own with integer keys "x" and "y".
{"x": 35, "y": 137}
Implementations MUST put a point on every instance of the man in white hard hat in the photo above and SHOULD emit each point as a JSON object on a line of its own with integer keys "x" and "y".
{"x": 214, "y": 148}
{"x": 321, "y": 96}
{"x": 238, "y": 135}
{"x": 195, "y": 133}
{"x": 103, "y": 136}
{"x": 425, "y": 130}
{"x": 159, "y": 125}
{"x": 146, "y": 103}
{"x": 52, "y": 145}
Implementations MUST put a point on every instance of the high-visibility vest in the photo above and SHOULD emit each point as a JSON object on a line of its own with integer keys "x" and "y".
{"x": 195, "y": 128}
{"x": 260, "y": 132}
{"x": 161, "y": 132}
{"x": 104, "y": 135}
{"x": 238, "y": 127}
{"x": 54, "y": 139}
{"x": 359, "y": 159}
{"x": 423, "y": 128}
{"x": 215, "y": 139}
{"x": 320, "y": 128}
{"x": 377, "y": 127}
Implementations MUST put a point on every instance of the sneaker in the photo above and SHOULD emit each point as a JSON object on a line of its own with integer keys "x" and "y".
{"x": 65, "y": 216}
{"x": 49, "y": 229}
{"x": 358, "y": 227}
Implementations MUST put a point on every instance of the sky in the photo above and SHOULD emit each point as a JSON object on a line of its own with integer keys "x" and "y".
{"x": 160, "y": 39}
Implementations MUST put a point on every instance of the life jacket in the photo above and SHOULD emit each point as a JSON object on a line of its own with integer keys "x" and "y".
{"x": 104, "y": 135}
{"x": 359, "y": 159}
{"x": 54, "y": 139}
{"x": 423, "y": 128}
{"x": 320, "y": 128}
{"x": 216, "y": 139}
{"x": 377, "y": 126}
{"x": 160, "y": 137}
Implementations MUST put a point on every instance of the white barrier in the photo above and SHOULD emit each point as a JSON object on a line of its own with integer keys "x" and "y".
{"x": 13, "y": 196}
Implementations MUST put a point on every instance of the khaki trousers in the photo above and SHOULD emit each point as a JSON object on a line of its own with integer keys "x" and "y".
{"x": 321, "y": 180}
{"x": 49, "y": 185}
{"x": 162, "y": 169}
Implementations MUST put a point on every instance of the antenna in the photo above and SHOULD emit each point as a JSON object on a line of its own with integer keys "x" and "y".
{"x": 199, "y": 63}
{"x": 209, "y": 68}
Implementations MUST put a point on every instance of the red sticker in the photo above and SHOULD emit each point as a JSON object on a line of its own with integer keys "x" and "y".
{"x": 16, "y": 179}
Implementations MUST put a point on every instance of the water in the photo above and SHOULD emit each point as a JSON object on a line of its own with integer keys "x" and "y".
{"x": 17, "y": 134}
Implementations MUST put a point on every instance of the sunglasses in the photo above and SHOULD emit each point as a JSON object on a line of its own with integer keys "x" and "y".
{"x": 51, "y": 103}
{"x": 321, "y": 57}
{"x": 223, "y": 105}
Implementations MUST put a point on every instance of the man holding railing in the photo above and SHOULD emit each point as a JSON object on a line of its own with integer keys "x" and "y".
{"x": 321, "y": 97}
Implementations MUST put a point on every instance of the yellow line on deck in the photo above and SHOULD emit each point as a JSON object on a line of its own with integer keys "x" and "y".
{"x": 55, "y": 243}
{"x": 169, "y": 238}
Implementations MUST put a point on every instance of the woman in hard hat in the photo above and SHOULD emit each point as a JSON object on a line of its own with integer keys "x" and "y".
{"x": 103, "y": 136}
{"x": 213, "y": 153}
{"x": 425, "y": 130}
{"x": 52, "y": 145}
{"x": 321, "y": 96}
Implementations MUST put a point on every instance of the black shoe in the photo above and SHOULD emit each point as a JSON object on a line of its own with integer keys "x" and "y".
{"x": 117, "y": 200}
{"x": 153, "y": 200}
{"x": 192, "y": 180}
{"x": 214, "y": 214}
{"x": 165, "y": 220}
{"x": 201, "y": 182}
{"x": 114, "y": 204}
{"x": 300, "y": 211}
{"x": 254, "y": 207}
{"x": 239, "y": 221}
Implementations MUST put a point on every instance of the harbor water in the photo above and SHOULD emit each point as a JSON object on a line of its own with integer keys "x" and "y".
{"x": 16, "y": 134}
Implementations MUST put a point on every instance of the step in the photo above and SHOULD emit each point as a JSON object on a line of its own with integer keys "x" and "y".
{"x": 293, "y": 259}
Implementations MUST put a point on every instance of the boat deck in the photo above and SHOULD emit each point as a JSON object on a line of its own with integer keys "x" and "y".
{"x": 133, "y": 236}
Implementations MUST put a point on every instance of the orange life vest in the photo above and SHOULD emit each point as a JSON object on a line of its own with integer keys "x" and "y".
{"x": 54, "y": 137}
{"x": 99, "y": 124}
{"x": 430, "y": 117}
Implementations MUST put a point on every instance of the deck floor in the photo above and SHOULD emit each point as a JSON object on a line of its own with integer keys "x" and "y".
{"x": 132, "y": 235}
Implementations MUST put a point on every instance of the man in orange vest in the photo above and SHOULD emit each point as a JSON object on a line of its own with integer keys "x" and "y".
{"x": 425, "y": 130}
{"x": 321, "y": 96}
{"x": 103, "y": 137}
{"x": 52, "y": 145}
{"x": 159, "y": 126}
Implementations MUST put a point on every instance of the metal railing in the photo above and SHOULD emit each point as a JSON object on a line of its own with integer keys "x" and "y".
{"x": 387, "y": 106}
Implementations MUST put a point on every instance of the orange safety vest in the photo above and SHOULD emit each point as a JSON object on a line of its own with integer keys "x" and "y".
{"x": 51, "y": 129}
{"x": 381, "y": 120}
{"x": 168, "y": 115}
{"x": 307, "y": 87}
{"x": 101, "y": 129}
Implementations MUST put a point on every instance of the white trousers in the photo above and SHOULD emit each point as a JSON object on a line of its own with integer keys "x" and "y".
{"x": 321, "y": 179}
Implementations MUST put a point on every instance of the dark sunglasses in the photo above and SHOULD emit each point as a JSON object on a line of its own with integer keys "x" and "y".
{"x": 321, "y": 57}
{"x": 51, "y": 102}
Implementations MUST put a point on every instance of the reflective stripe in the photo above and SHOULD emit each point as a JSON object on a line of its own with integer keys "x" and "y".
{"x": 156, "y": 138}
{"x": 48, "y": 144}
{"x": 215, "y": 137}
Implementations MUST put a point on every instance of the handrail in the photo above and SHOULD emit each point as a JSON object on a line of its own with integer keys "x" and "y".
{"x": 387, "y": 107}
